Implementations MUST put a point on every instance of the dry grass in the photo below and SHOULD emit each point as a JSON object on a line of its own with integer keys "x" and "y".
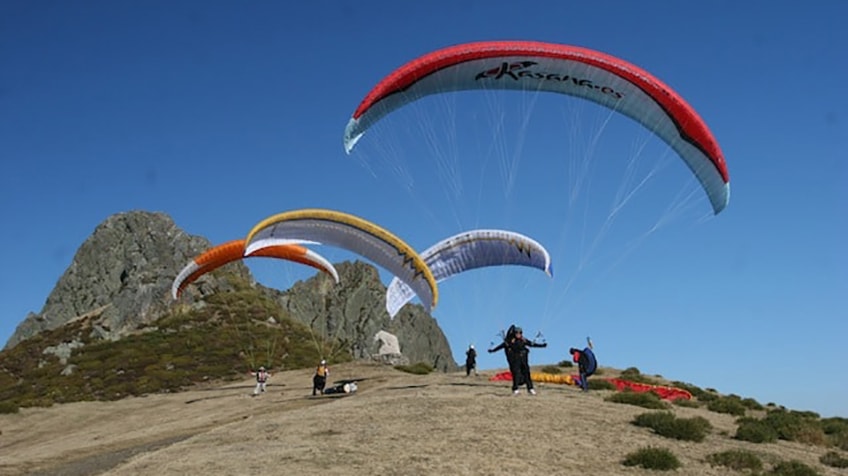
{"x": 397, "y": 423}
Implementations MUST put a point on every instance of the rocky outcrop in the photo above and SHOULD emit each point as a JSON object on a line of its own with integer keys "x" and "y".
{"x": 121, "y": 276}
{"x": 389, "y": 351}
{"x": 355, "y": 311}
{"x": 389, "y": 343}
{"x": 120, "y": 279}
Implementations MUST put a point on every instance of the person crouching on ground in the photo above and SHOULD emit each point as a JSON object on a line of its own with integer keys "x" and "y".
{"x": 319, "y": 380}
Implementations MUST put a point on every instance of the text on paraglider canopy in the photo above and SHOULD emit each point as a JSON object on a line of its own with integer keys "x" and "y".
{"x": 520, "y": 70}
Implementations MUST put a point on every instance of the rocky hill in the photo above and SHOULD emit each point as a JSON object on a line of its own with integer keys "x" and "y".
{"x": 121, "y": 273}
{"x": 121, "y": 276}
{"x": 355, "y": 309}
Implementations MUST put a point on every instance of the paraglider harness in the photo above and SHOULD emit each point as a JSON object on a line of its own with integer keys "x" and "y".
{"x": 262, "y": 376}
{"x": 342, "y": 387}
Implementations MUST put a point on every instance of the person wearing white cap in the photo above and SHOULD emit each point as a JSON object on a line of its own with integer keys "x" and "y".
{"x": 261, "y": 378}
{"x": 470, "y": 360}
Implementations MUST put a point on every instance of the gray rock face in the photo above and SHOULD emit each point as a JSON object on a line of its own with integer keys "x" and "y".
{"x": 122, "y": 273}
{"x": 120, "y": 278}
{"x": 355, "y": 311}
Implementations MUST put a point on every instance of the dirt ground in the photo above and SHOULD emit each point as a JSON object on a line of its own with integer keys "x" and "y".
{"x": 395, "y": 424}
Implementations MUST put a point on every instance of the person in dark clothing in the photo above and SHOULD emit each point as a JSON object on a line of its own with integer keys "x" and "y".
{"x": 517, "y": 349}
{"x": 586, "y": 365}
{"x": 319, "y": 380}
{"x": 508, "y": 337}
{"x": 470, "y": 360}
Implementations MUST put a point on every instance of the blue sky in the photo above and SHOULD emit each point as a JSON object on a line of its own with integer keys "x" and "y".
{"x": 222, "y": 113}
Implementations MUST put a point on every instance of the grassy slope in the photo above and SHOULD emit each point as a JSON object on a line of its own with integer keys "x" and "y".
{"x": 397, "y": 423}
{"x": 228, "y": 336}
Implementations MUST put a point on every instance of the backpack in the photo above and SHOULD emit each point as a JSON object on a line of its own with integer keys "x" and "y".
{"x": 591, "y": 362}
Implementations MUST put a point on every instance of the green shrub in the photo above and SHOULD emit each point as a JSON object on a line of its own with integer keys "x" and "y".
{"x": 654, "y": 419}
{"x": 682, "y": 402}
{"x": 8, "y": 407}
{"x": 652, "y": 458}
{"x": 694, "y": 428}
{"x": 834, "y": 459}
{"x": 693, "y": 389}
{"x": 839, "y": 440}
{"x": 803, "y": 427}
{"x": 729, "y": 405}
{"x": 752, "y": 404}
{"x": 551, "y": 369}
{"x": 667, "y": 425}
{"x": 630, "y": 372}
{"x": 755, "y": 431}
{"x": 806, "y": 414}
{"x": 565, "y": 363}
{"x": 44, "y": 402}
{"x": 600, "y": 384}
{"x": 708, "y": 396}
{"x": 836, "y": 429}
{"x": 634, "y": 375}
{"x": 418, "y": 368}
{"x": 834, "y": 425}
{"x": 645, "y": 400}
{"x": 738, "y": 460}
{"x": 792, "y": 468}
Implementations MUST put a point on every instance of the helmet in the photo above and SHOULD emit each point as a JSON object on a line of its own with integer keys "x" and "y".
{"x": 518, "y": 330}
{"x": 323, "y": 362}
{"x": 471, "y": 346}
{"x": 262, "y": 367}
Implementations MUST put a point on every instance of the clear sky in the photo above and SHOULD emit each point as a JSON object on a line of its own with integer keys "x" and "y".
{"x": 222, "y": 113}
